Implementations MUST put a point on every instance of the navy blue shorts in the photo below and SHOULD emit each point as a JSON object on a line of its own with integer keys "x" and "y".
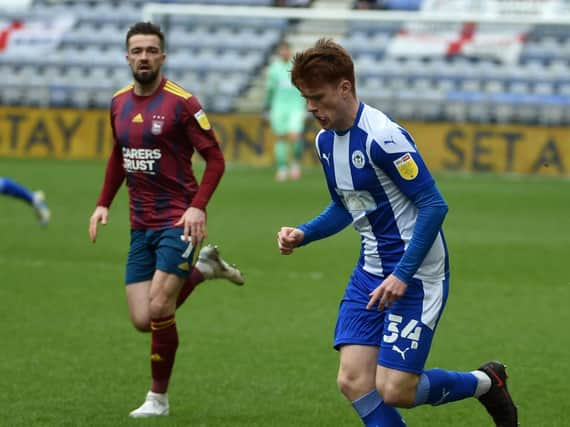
{"x": 153, "y": 250}
{"x": 403, "y": 332}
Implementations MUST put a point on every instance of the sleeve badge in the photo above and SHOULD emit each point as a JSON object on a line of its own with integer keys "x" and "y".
{"x": 202, "y": 120}
{"x": 406, "y": 166}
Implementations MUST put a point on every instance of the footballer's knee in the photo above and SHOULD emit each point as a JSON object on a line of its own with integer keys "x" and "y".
{"x": 398, "y": 392}
{"x": 142, "y": 326}
{"x": 354, "y": 384}
{"x": 161, "y": 306}
{"x": 395, "y": 396}
{"x": 141, "y": 321}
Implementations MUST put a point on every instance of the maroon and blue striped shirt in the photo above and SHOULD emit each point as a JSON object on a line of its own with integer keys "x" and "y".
{"x": 155, "y": 137}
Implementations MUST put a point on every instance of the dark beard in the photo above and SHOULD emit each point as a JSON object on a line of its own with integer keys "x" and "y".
{"x": 149, "y": 77}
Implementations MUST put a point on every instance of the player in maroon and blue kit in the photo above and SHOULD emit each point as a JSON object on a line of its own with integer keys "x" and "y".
{"x": 156, "y": 126}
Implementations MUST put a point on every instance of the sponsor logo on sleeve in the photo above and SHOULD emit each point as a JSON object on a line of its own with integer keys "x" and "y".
{"x": 202, "y": 120}
{"x": 406, "y": 166}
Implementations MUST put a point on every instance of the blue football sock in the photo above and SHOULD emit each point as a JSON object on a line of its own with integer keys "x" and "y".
{"x": 375, "y": 413}
{"x": 12, "y": 188}
{"x": 437, "y": 386}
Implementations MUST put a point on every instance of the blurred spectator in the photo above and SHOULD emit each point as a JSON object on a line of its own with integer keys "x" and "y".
{"x": 292, "y": 3}
{"x": 366, "y": 4}
{"x": 388, "y": 4}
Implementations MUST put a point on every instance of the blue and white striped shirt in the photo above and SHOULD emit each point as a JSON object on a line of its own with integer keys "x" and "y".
{"x": 379, "y": 183}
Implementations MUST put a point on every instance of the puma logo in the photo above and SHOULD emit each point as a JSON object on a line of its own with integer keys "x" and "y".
{"x": 402, "y": 353}
{"x": 444, "y": 394}
{"x": 327, "y": 156}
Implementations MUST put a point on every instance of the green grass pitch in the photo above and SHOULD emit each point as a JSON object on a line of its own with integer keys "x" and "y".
{"x": 261, "y": 355}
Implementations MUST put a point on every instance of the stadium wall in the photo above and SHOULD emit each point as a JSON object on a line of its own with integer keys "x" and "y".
{"x": 246, "y": 139}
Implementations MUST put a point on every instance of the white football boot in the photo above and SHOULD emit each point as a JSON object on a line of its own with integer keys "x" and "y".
{"x": 212, "y": 266}
{"x": 155, "y": 405}
{"x": 41, "y": 208}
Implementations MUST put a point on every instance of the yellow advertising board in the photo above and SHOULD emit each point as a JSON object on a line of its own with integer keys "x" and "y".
{"x": 494, "y": 148}
{"x": 247, "y": 139}
{"x": 56, "y": 133}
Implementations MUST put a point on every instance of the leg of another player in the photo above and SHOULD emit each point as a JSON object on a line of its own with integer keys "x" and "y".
{"x": 281, "y": 158}
{"x": 36, "y": 199}
{"x": 163, "y": 293}
{"x": 10, "y": 187}
{"x": 356, "y": 381}
{"x": 138, "y": 301}
{"x": 210, "y": 265}
{"x": 434, "y": 386}
{"x": 297, "y": 145}
{"x": 194, "y": 279}
{"x": 438, "y": 386}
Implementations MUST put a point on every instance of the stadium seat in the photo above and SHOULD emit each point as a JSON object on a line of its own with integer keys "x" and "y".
{"x": 381, "y": 96}
{"x": 80, "y": 98}
{"x": 494, "y": 86}
{"x": 430, "y": 105}
{"x": 12, "y": 95}
{"x": 406, "y": 104}
{"x": 502, "y": 107}
{"x": 222, "y": 56}
{"x": 552, "y": 110}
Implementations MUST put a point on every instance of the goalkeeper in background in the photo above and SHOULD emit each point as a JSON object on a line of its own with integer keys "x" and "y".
{"x": 287, "y": 115}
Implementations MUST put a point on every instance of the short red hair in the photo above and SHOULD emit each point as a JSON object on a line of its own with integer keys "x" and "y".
{"x": 325, "y": 62}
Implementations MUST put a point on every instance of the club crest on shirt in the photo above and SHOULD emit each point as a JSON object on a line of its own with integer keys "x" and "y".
{"x": 407, "y": 167}
{"x": 202, "y": 119}
{"x": 157, "y": 123}
{"x": 358, "y": 159}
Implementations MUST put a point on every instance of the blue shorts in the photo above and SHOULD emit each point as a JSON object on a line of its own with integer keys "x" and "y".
{"x": 153, "y": 250}
{"x": 403, "y": 332}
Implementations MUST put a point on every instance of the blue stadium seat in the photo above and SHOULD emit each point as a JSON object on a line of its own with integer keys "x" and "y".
{"x": 218, "y": 58}
{"x": 402, "y": 4}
